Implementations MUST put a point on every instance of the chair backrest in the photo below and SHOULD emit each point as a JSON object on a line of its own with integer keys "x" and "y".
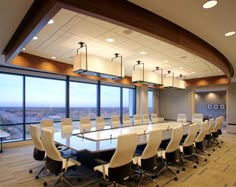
{"x": 145, "y": 118}
{"x": 197, "y": 118}
{"x": 49, "y": 145}
{"x": 100, "y": 123}
{"x": 153, "y": 143}
{"x": 176, "y": 136}
{"x": 85, "y": 124}
{"x": 39, "y": 151}
{"x": 218, "y": 124}
{"x": 210, "y": 126}
{"x": 126, "y": 120}
{"x": 182, "y": 118}
{"x": 115, "y": 121}
{"x": 47, "y": 123}
{"x": 192, "y": 133}
{"x": 137, "y": 119}
{"x": 126, "y": 146}
{"x": 154, "y": 118}
{"x": 203, "y": 131}
{"x": 66, "y": 125}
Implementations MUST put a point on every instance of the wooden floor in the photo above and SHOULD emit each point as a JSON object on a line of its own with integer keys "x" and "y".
{"x": 219, "y": 171}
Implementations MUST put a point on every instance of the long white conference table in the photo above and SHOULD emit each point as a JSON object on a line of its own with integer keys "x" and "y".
{"x": 106, "y": 139}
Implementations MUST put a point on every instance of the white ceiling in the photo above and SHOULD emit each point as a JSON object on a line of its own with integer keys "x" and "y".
{"x": 61, "y": 38}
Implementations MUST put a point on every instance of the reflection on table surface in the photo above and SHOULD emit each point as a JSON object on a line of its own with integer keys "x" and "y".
{"x": 102, "y": 140}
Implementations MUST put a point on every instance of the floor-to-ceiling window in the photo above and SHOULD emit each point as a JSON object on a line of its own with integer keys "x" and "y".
{"x": 83, "y": 100}
{"x": 150, "y": 101}
{"x": 44, "y": 99}
{"x": 11, "y": 105}
{"x": 110, "y": 101}
{"x": 128, "y": 101}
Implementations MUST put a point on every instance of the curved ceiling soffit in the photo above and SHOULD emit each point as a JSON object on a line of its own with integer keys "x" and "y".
{"x": 125, "y": 14}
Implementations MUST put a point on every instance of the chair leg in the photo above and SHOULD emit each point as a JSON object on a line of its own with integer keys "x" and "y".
{"x": 40, "y": 171}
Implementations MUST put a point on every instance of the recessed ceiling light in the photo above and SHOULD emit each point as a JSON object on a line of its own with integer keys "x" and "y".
{"x": 53, "y": 57}
{"x": 142, "y": 52}
{"x": 181, "y": 68}
{"x": 165, "y": 61}
{"x": 23, "y": 49}
{"x": 219, "y": 69}
{"x": 231, "y": 33}
{"x": 51, "y": 21}
{"x": 209, "y": 4}
{"x": 192, "y": 72}
{"x": 35, "y": 38}
{"x": 110, "y": 40}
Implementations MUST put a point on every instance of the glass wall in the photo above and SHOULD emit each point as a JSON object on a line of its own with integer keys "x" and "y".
{"x": 83, "y": 100}
{"x": 128, "y": 101}
{"x": 27, "y": 98}
{"x": 11, "y": 105}
{"x": 110, "y": 101}
{"x": 150, "y": 101}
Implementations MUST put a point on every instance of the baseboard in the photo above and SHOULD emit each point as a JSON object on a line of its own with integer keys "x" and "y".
{"x": 17, "y": 144}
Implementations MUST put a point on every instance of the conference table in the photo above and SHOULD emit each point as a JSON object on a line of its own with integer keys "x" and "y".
{"x": 3, "y": 135}
{"x": 105, "y": 140}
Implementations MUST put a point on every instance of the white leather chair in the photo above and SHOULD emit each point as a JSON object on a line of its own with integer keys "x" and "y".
{"x": 187, "y": 148}
{"x": 171, "y": 154}
{"x": 197, "y": 118}
{"x": 120, "y": 166}
{"x": 182, "y": 118}
{"x": 208, "y": 133}
{"x": 145, "y": 119}
{"x": 154, "y": 118}
{"x": 216, "y": 131}
{"x": 137, "y": 119}
{"x": 100, "y": 123}
{"x": 39, "y": 151}
{"x": 200, "y": 140}
{"x": 115, "y": 121}
{"x": 148, "y": 162}
{"x": 54, "y": 162}
{"x": 126, "y": 121}
{"x": 85, "y": 124}
{"x": 66, "y": 125}
{"x": 47, "y": 123}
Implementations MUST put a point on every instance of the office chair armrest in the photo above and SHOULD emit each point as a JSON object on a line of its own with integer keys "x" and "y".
{"x": 100, "y": 161}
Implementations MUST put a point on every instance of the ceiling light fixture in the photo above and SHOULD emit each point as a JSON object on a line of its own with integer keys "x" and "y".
{"x": 118, "y": 56}
{"x": 181, "y": 68}
{"x": 23, "y": 49}
{"x": 35, "y": 38}
{"x": 231, "y": 33}
{"x": 51, "y": 21}
{"x": 142, "y": 52}
{"x": 165, "y": 61}
{"x": 53, "y": 57}
{"x": 209, "y": 4}
{"x": 110, "y": 40}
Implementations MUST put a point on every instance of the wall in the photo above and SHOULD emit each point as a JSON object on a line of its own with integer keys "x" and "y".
{"x": 231, "y": 106}
{"x": 203, "y": 99}
{"x": 172, "y": 102}
{"x": 141, "y": 100}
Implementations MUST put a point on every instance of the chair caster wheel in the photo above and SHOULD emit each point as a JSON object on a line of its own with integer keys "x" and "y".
{"x": 79, "y": 180}
{"x": 175, "y": 178}
{"x": 209, "y": 154}
{"x": 205, "y": 160}
{"x": 30, "y": 171}
{"x": 45, "y": 184}
{"x": 183, "y": 169}
{"x": 177, "y": 171}
{"x": 194, "y": 167}
{"x": 213, "y": 150}
{"x": 37, "y": 177}
{"x": 157, "y": 185}
{"x": 197, "y": 162}
{"x": 219, "y": 146}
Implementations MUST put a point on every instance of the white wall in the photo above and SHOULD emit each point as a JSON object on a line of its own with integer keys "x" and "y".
{"x": 142, "y": 100}
{"x": 231, "y": 107}
{"x": 172, "y": 102}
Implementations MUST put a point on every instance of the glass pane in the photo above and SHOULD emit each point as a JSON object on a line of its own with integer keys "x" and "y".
{"x": 45, "y": 99}
{"x": 11, "y": 99}
{"x": 15, "y": 131}
{"x": 150, "y": 101}
{"x": 83, "y": 100}
{"x": 128, "y": 101}
{"x": 110, "y": 101}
